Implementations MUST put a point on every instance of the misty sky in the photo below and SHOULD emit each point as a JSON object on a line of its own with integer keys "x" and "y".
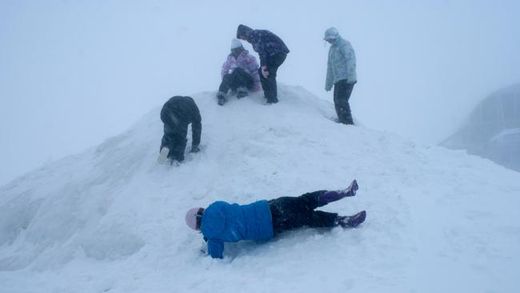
{"x": 73, "y": 73}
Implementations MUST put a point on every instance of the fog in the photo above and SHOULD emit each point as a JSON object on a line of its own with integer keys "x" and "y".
{"x": 73, "y": 73}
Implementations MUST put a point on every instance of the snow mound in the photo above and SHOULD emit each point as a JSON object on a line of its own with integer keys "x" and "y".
{"x": 492, "y": 130}
{"x": 112, "y": 220}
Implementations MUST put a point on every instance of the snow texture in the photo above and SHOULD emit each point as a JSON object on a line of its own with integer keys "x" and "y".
{"x": 112, "y": 220}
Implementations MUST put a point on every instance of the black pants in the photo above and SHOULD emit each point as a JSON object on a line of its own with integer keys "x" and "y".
{"x": 269, "y": 84}
{"x": 342, "y": 92}
{"x": 174, "y": 138}
{"x": 294, "y": 212}
{"x": 238, "y": 78}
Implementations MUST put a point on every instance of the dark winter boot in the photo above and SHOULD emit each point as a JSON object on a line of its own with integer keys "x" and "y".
{"x": 221, "y": 98}
{"x": 335, "y": 195}
{"x": 242, "y": 92}
{"x": 272, "y": 101}
{"x": 351, "y": 221}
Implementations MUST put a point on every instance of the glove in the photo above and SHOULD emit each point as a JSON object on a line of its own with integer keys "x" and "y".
{"x": 328, "y": 88}
{"x": 195, "y": 149}
{"x": 265, "y": 72}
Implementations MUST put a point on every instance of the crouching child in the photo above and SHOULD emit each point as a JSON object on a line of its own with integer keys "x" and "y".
{"x": 176, "y": 114}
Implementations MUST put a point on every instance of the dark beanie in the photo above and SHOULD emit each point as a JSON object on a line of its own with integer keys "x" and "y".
{"x": 243, "y": 30}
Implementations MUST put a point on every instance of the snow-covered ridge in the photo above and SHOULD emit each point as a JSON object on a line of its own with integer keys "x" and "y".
{"x": 111, "y": 219}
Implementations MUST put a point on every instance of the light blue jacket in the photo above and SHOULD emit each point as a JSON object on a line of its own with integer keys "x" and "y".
{"x": 224, "y": 222}
{"x": 341, "y": 63}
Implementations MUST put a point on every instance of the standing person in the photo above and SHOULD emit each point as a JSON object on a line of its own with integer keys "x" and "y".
{"x": 239, "y": 73}
{"x": 341, "y": 72}
{"x": 176, "y": 114}
{"x": 262, "y": 220}
{"x": 272, "y": 52}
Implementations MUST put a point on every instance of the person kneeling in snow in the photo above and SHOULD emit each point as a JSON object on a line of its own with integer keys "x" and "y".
{"x": 239, "y": 73}
{"x": 176, "y": 114}
{"x": 262, "y": 220}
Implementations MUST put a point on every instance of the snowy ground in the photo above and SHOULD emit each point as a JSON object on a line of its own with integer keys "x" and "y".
{"x": 112, "y": 220}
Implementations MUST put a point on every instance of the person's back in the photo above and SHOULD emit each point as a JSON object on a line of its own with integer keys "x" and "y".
{"x": 177, "y": 113}
{"x": 184, "y": 109}
{"x": 224, "y": 222}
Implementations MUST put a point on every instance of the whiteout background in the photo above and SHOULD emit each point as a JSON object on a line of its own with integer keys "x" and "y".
{"x": 73, "y": 73}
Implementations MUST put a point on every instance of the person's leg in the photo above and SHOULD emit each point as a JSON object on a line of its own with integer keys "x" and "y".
{"x": 348, "y": 113}
{"x": 340, "y": 101}
{"x": 273, "y": 63}
{"x": 321, "y": 219}
{"x": 266, "y": 85}
{"x": 177, "y": 152}
{"x": 224, "y": 87}
{"x": 242, "y": 82}
{"x": 352, "y": 221}
{"x": 175, "y": 139}
{"x": 316, "y": 199}
{"x": 288, "y": 213}
{"x": 334, "y": 195}
{"x": 167, "y": 140}
{"x": 342, "y": 92}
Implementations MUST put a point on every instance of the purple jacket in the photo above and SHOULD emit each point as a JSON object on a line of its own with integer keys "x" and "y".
{"x": 245, "y": 61}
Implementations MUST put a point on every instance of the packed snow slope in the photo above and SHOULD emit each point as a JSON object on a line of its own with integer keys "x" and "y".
{"x": 112, "y": 220}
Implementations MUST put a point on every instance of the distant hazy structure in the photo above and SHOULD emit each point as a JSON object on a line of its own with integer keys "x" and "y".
{"x": 493, "y": 129}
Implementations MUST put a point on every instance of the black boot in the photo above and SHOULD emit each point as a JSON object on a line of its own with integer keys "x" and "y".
{"x": 272, "y": 100}
{"x": 221, "y": 98}
{"x": 352, "y": 221}
{"x": 242, "y": 92}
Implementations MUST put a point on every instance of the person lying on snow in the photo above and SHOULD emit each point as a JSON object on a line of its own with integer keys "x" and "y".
{"x": 239, "y": 73}
{"x": 262, "y": 220}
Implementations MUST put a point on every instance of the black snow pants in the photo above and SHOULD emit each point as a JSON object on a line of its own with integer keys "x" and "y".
{"x": 269, "y": 84}
{"x": 238, "y": 78}
{"x": 294, "y": 212}
{"x": 175, "y": 139}
{"x": 342, "y": 92}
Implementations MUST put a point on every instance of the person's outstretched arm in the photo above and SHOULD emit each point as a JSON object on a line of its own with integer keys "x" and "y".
{"x": 215, "y": 248}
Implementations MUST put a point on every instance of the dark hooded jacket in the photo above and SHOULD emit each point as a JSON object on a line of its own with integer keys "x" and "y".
{"x": 264, "y": 42}
{"x": 176, "y": 114}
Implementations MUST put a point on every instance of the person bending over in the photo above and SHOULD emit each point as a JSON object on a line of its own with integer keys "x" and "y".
{"x": 176, "y": 114}
{"x": 272, "y": 51}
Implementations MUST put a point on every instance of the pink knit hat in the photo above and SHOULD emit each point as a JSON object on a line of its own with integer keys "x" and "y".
{"x": 191, "y": 218}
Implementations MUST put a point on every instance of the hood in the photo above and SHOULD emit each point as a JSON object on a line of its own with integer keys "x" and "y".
{"x": 331, "y": 34}
{"x": 243, "y": 30}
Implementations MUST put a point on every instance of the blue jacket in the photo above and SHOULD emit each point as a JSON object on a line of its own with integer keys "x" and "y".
{"x": 224, "y": 222}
